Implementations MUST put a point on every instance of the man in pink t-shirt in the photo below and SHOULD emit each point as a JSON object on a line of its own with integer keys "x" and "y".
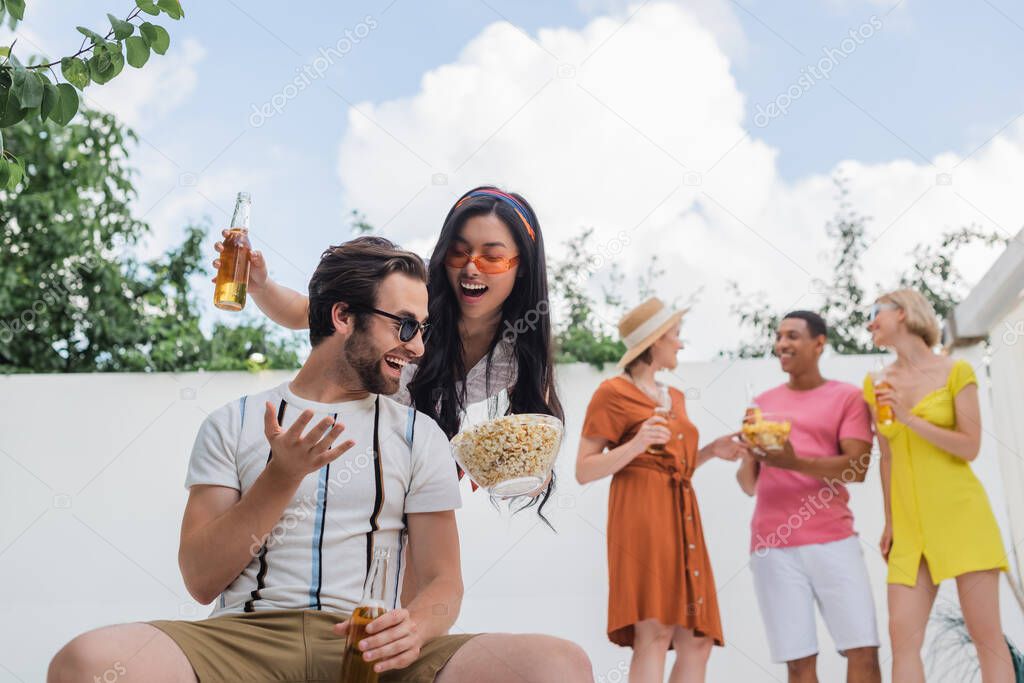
{"x": 803, "y": 544}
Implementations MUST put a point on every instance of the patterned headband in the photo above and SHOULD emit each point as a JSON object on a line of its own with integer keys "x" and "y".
{"x": 508, "y": 199}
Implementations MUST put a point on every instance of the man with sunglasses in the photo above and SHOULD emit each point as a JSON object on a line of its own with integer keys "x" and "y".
{"x": 290, "y": 492}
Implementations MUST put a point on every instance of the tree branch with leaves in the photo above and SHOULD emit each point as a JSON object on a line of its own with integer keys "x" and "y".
{"x": 27, "y": 91}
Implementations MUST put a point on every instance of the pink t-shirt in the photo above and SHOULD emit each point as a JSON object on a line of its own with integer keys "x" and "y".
{"x": 793, "y": 508}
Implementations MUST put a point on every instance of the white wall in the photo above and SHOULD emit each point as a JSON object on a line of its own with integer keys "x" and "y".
{"x": 1006, "y": 429}
{"x": 91, "y": 471}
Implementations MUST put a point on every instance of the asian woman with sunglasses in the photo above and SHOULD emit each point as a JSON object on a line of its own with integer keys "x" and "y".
{"x": 487, "y": 271}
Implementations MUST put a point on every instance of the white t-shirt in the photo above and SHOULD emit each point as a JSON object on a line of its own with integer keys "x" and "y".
{"x": 318, "y": 554}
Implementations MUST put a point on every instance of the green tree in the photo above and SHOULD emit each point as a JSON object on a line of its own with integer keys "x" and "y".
{"x": 359, "y": 225}
{"x": 932, "y": 272}
{"x": 647, "y": 283}
{"x": 757, "y": 319}
{"x": 581, "y": 335}
{"x": 586, "y": 328}
{"x": 73, "y": 298}
{"x": 843, "y": 307}
{"x": 27, "y": 92}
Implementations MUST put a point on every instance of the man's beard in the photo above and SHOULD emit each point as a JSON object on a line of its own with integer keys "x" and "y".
{"x": 364, "y": 359}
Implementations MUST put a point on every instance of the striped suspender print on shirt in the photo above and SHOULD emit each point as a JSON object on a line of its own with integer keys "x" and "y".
{"x": 410, "y": 434}
{"x": 261, "y": 574}
{"x": 378, "y": 475}
{"x": 323, "y": 486}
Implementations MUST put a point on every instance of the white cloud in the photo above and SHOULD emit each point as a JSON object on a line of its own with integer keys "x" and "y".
{"x": 715, "y": 15}
{"x": 614, "y": 146}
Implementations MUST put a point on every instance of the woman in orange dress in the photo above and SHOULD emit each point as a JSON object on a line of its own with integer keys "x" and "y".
{"x": 662, "y": 591}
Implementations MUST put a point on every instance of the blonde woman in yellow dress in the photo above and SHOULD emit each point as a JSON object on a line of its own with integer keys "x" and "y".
{"x": 939, "y": 524}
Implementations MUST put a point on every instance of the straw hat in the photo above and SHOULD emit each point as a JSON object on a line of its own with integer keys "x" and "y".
{"x": 642, "y": 326}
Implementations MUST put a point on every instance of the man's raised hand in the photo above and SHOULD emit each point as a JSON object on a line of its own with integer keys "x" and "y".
{"x": 296, "y": 454}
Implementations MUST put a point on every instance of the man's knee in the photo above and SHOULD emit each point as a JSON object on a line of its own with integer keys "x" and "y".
{"x": 863, "y": 658}
{"x": 803, "y": 665}
{"x": 568, "y": 656}
{"x": 87, "y": 657}
{"x": 109, "y": 654}
{"x": 518, "y": 658}
{"x": 869, "y": 654}
{"x": 577, "y": 659}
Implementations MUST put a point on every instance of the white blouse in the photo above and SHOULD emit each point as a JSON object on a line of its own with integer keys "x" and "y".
{"x": 486, "y": 392}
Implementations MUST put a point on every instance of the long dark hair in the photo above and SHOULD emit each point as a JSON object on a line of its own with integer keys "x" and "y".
{"x": 439, "y": 386}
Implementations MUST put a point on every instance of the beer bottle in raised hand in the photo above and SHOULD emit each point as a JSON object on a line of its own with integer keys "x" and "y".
{"x": 233, "y": 274}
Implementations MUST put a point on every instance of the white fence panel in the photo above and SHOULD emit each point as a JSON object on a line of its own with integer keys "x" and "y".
{"x": 91, "y": 472}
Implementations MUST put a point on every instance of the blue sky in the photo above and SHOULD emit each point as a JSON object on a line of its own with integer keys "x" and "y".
{"x": 935, "y": 82}
{"x": 939, "y": 77}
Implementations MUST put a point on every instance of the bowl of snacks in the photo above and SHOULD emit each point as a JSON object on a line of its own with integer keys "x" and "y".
{"x": 767, "y": 431}
{"x": 511, "y": 455}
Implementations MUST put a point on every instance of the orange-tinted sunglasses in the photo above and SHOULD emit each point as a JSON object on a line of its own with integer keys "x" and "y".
{"x": 491, "y": 265}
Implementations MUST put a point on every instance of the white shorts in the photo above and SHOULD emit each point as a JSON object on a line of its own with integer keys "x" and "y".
{"x": 788, "y": 581}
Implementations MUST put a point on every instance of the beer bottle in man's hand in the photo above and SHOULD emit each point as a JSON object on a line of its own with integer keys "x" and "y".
{"x": 355, "y": 669}
{"x": 233, "y": 274}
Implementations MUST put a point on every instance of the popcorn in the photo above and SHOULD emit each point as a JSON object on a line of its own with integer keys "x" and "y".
{"x": 510, "y": 447}
{"x": 769, "y": 434}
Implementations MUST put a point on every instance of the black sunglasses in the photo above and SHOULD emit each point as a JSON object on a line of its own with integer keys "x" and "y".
{"x": 407, "y": 327}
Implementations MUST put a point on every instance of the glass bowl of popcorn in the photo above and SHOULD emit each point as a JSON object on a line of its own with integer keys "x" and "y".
{"x": 767, "y": 431}
{"x": 512, "y": 455}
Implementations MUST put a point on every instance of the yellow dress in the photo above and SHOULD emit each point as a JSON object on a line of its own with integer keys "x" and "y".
{"x": 939, "y": 508}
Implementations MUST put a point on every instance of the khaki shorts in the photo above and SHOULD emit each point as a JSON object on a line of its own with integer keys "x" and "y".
{"x": 294, "y": 646}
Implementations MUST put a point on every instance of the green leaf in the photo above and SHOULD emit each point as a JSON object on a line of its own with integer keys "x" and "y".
{"x": 5, "y": 50}
{"x": 28, "y": 88}
{"x": 115, "y": 50}
{"x": 122, "y": 29}
{"x": 156, "y": 37}
{"x": 106, "y": 62}
{"x": 102, "y": 60}
{"x": 75, "y": 71}
{"x": 67, "y": 105}
{"x": 148, "y": 6}
{"x": 138, "y": 51}
{"x": 171, "y": 8}
{"x": 10, "y": 108}
{"x": 5, "y": 172}
{"x": 50, "y": 98}
{"x": 16, "y": 8}
{"x": 96, "y": 38}
{"x": 99, "y": 68}
{"x": 44, "y": 82}
{"x": 17, "y": 173}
